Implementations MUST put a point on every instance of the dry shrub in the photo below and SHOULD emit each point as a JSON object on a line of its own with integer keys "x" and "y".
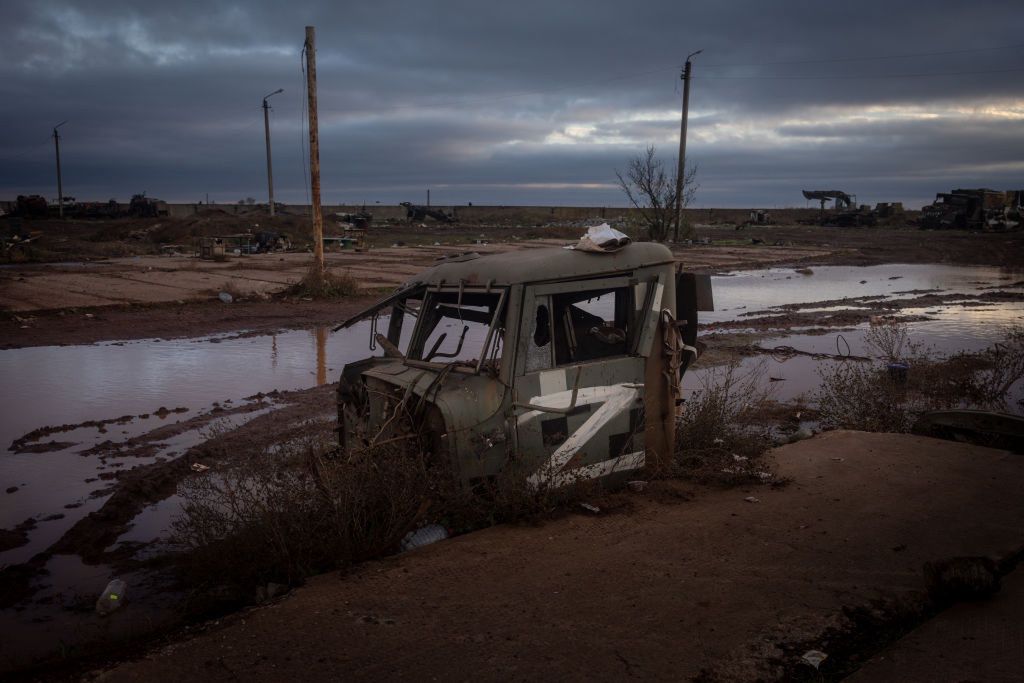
{"x": 319, "y": 284}
{"x": 306, "y": 509}
{"x": 301, "y": 511}
{"x": 867, "y": 396}
{"x": 717, "y": 438}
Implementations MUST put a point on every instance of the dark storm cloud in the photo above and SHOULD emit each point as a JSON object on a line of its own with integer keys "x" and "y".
{"x": 512, "y": 102}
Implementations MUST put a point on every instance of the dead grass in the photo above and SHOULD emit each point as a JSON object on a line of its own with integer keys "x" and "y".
{"x": 717, "y": 438}
{"x": 324, "y": 285}
{"x": 309, "y": 508}
{"x": 297, "y": 512}
{"x": 871, "y": 397}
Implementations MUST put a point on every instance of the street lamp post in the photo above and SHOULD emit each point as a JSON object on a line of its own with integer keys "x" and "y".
{"x": 681, "y": 175}
{"x": 266, "y": 130}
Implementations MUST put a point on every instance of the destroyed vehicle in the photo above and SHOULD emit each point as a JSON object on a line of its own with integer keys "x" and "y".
{"x": 980, "y": 209}
{"x": 419, "y": 213}
{"x": 556, "y": 364}
{"x": 142, "y": 206}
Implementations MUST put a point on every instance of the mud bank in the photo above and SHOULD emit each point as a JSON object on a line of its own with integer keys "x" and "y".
{"x": 170, "y": 321}
{"x": 700, "y": 585}
{"x": 122, "y": 530}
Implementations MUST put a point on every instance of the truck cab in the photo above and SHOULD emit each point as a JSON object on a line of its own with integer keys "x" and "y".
{"x": 563, "y": 363}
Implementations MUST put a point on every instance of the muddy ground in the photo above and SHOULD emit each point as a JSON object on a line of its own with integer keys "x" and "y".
{"x": 171, "y": 297}
{"x": 676, "y": 583}
{"x": 176, "y": 296}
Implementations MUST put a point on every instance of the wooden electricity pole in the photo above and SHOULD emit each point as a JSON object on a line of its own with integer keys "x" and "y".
{"x": 266, "y": 132}
{"x": 681, "y": 176}
{"x": 314, "y": 154}
{"x": 60, "y": 186}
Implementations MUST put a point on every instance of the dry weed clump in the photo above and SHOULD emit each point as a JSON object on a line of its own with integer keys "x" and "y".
{"x": 717, "y": 437}
{"x": 298, "y": 512}
{"x": 324, "y": 285}
{"x": 875, "y": 396}
{"x": 307, "y": 509}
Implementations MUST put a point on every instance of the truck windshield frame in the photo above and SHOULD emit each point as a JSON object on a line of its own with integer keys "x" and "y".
{"x": 463, "y": 325}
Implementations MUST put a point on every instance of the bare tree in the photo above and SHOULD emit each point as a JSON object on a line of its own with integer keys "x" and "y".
{"x": 652, "y": 191}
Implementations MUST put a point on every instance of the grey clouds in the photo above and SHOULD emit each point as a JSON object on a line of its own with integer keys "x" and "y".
{"x": 513, "y": 103}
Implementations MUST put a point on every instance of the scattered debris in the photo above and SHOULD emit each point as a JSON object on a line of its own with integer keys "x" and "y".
{"x": 601, "y": 238}
{"x": 225, "y": 297}
{"x": 961, "y": 578}
{"x": 637, "y": 485}
{"x": 199, "y": 467}
{"x": 814, "y": 657}
{"x": 432, "y": 533}
{"x": 590, "y": 508}
{"x": 112, "y": 597}
{"x": 752, "y": 499}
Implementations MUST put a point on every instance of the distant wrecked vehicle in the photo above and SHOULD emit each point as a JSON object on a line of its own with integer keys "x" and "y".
{"x": 563, "y": 362}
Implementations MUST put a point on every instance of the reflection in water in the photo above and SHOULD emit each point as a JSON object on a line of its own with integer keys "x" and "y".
{"x": 321, "y": 354}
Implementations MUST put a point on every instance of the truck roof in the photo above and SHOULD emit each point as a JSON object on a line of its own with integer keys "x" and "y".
{"x": 540, "y": 264}
{"x": 524, "y": 266}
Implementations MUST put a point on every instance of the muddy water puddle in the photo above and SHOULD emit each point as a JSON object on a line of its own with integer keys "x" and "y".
{"x": 134, "y": 389}
{"x": 958, "y": 323}
{"x": 742, "y": 292}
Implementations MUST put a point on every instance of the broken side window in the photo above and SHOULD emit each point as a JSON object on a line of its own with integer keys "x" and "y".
{"x": 538, "y": 346}
{"x": 592, "y": 324}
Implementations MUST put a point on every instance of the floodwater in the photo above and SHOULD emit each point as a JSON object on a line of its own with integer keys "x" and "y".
{"x": 71, "y": 385}
{"x": 949, "y": 327}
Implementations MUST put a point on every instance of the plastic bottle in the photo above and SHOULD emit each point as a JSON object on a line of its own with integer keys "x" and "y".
{"x": 111, "y": 598}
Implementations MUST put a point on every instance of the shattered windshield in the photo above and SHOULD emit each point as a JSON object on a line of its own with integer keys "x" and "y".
{"x": 460, "y": 325}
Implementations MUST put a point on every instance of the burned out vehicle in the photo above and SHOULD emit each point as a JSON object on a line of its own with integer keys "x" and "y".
{"x": 562, "y": 363}
{"x": 979, "y": 209}
{"x": 419, "y": 213}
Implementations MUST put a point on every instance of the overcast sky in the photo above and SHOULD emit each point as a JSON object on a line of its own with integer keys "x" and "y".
{"x": 513, "y": 102}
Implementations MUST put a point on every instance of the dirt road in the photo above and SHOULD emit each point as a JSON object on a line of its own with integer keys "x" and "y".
{"x": 675, "y": 584}
{"x": 170, "y": 297}
{"x": 162, "y": 279}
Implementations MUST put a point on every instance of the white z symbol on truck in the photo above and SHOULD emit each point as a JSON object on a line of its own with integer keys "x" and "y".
{"x": 615, "y": 400}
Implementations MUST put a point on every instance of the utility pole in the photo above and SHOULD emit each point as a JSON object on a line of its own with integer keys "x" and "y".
{"x": 60, "y": 187}
{"x": 428, "y": 198}
{"x": 314, "y": 154}
{"x": 266, "y": 130}
{"x": 681, "y": 176}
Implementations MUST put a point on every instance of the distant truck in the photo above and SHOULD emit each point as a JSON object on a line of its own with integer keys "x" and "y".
{"x": 978, "y": 209}
{"x": 142, "y": 206}
{"x": 563, "y": 364}
{"x": 419, "y": 213}
{"x": 31, "y": 206}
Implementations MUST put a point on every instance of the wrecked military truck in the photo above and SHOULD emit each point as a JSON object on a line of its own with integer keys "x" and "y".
{"x": 562, "y": 362}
